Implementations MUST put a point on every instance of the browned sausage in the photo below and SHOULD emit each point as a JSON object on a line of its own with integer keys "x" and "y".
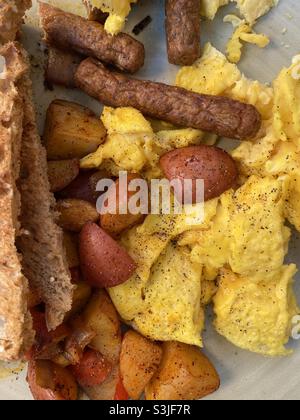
{"x": 178, "y": 106}
{"x": 61, "y": 67}
{"x": 183, "y": 31}
{"x": 68, "y": 31}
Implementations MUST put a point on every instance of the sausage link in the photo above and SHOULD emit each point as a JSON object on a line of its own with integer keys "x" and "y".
{"x": 61, "y": 67}
{"x": 69, "y": 31}
{"x": 183, "y": 31}
{"x": 223, "y": 116}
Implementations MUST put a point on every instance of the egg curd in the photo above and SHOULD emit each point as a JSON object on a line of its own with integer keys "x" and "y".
{"x": 235, "y": 258}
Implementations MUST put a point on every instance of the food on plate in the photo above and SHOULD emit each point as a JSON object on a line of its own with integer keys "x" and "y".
{"x": 11, "y": 17}
{"x": 61, "y": 173}
{"x": 219, "y": 115}
{"x": 185, "y": 373}
{"x": 61, "y": 67}
{"x": 81, "y": 295}
{"x": 208, "y": 163}
{"x": 71, "y": 131}
{"x": 48, "y": 381}
{"x": 94, "y": 13}
{"x": 76, "y": 342}
{"x": 70, "y": 242}
{"x": 257, "y": 316}
{"x": 71, "y": 32}
{"x": 139, "y": 361}
{"x": 183, "y": 31}
{"x": 16, "y": 335}
{"x": 84, "y": 187}
{"x": 74, "y": 214}
{"x": 117, "y": 13}
{"x": 248, "y": 8}
{"x": 93, "y": 369}
{"x": 111, "y": 389}
{"x": 115, "y": 223}
{"x": 103, "y": 261}
{"x": 243, "y": 33}
{"x": 101, "y": 317}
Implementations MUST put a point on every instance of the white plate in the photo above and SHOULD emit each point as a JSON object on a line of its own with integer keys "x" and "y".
{"x": 245, "y": 376}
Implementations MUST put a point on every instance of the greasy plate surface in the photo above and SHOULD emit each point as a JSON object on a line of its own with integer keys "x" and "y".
{"x": 244, "y": 376}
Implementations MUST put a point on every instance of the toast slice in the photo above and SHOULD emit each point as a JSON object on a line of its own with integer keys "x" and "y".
{"x": 11, "y": 17}
{"x": 16, "y": 335}
{"x": 41, "y": 244}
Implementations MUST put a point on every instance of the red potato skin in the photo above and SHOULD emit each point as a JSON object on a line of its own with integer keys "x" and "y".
{"x": 212, "y": 164}
{"x": 121, "y": 393}
{"x": 104, "y": 263}
{"x": 93, "y": 369}
{"x": 65, "y": 387}
{"x": 183, "y": 31}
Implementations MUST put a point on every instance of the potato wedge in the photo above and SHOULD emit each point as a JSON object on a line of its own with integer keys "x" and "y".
{"x": 61, "y": 173}
{"x": 104, "y": 263}
{"x": 71, "y": 131}
{"x": 109, "y": 390}
{"x": 93, "y": 369}
{"x": 84, "y": 186}
{"x": 48, "y": 381}
{"x": 71, "y": 242}
{"x": 81, "y": 295}
{"x": 74, "y": 214}
{"x": 101, "y": 316}
{"x": 139, "y": 361}
{"x": 184, "y": 374}
{"x": 114, "y": 224}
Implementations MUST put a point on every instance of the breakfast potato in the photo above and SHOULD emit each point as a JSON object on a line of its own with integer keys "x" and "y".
{"x": 71, "y": 131}
{"x": 62, "y": 172}
{"x": 104, "y": 263}
{"x": 101, "y": 317}
{"x": 80, "y": 337}
{"x": 184, "y": 374}
{"x": 111, "y": 389}
{"x": 48, "y": 381}
{"x": 84, "y": 187}
{"x": 81, "y": 295}
{"x": 115, "y": 224}
{"x": 93, "y": 369}
{"x": 139, "y": 360}
{"x": 208, "y": 163}
{"x": 71, "y": 243}
{"x": 74, "y": 214}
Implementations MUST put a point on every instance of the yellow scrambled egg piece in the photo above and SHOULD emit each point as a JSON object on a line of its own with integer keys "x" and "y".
{"x": 118, "y": 11}
{"x": 250, "y": 9}
{"x": 244, "y": 33}
{"x": 132, "y": 144}
{"x": 256, "y": 316}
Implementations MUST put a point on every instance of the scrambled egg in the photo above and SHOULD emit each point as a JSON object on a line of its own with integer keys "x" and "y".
{"x": 235, "y": 256}
{"x": 243, "y": 32}
{"x": 118, "y": 11}
{"x": 256, "y": 316}
{"x": 250, "y": 9}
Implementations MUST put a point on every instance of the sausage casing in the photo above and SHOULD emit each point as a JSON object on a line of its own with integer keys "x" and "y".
{"x": 68, "y": 31}
{"x": 61, "y": 67}
{"x": 223, "y": 116}
{"x": 183, "y": 31}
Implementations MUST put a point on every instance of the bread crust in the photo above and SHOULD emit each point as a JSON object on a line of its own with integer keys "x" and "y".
{"x": 11, "y": 17}
{"x": 16, "y": 334}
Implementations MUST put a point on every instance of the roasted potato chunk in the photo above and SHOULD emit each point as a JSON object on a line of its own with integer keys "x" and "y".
{"x": 139, "y": 360}
{"x": 184, "y": 374}
{"x": 71, "y": 131}
{"x": 82, "y": 293}
{"x": 71, "y": 247}
{"x": 62, "y": 172}
{"x": 115, "y": 224}
{"x": 111, "y": 389}
{"x": 74, "y": 214}
{"x": 101, "y": 316}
